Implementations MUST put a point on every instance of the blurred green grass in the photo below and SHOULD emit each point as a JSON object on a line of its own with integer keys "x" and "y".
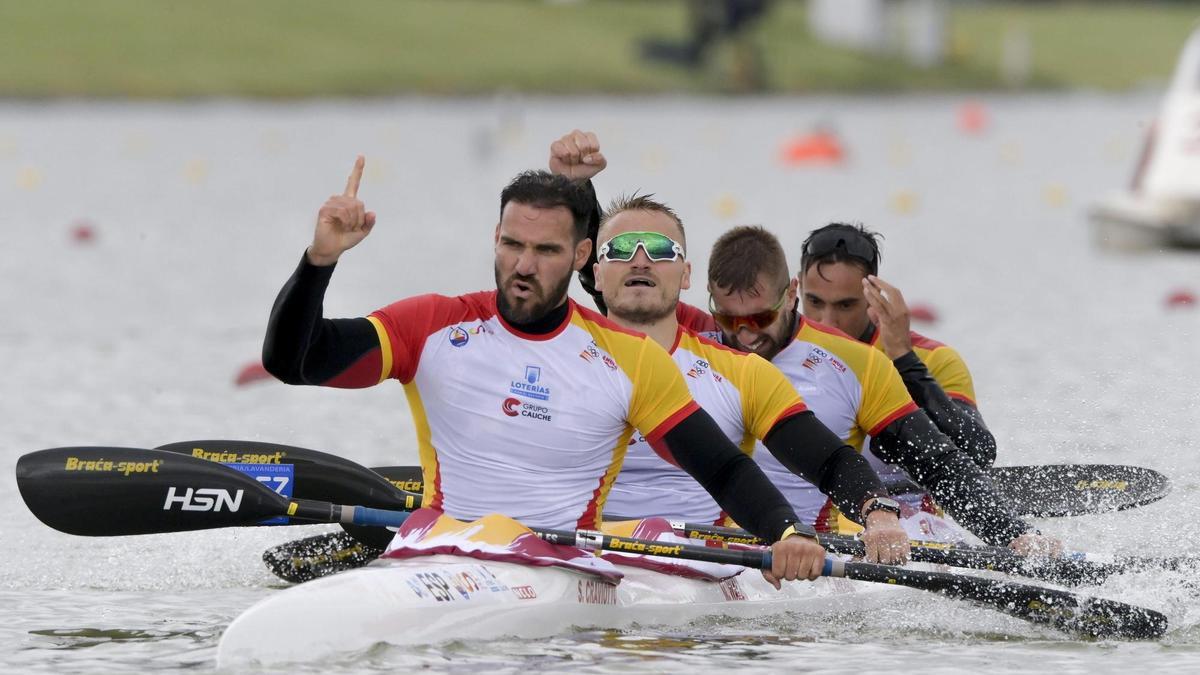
{"x": 299, "y": 48}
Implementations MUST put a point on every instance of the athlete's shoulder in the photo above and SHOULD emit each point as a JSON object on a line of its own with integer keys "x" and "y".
{"x": 592, "y": 319}
{"x": 927, "y": 343}
{"x": 833, "y": 340}
{"x": 438, "y": 308}
{"x": 694, "y": 318}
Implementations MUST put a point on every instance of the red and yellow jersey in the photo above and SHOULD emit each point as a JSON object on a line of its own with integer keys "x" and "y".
{"x": 743, "y": 393}
{"x": 851, "y": 387}
{"x": 944, "y": 364}
{"x": 536, "y": 425}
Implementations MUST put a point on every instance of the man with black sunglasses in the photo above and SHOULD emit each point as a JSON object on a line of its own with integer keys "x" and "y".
{"x": 519, "y": 390}
{"x": 839, "y": 287}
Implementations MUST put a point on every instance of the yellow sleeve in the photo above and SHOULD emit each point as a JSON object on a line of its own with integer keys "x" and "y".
{"x": 885, "y": 398}
{"x": 660, "y": 396}
{"x": 948, "y": 368}
{"x": 767, "y": 396}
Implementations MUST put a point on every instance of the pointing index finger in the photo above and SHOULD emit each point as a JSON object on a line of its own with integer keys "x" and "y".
{"x": 355, "y": 177}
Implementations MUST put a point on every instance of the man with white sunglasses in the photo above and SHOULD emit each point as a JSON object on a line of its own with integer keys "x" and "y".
{"x": 518, "y": 390}
{"x": 640, "y": 270}
{"x": 852, "y": 387}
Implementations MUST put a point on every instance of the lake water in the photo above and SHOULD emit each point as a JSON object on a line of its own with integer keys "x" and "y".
{"x": 201, "y": 210}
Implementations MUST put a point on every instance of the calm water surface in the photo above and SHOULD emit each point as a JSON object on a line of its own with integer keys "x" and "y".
{"x": 202, "y": 210}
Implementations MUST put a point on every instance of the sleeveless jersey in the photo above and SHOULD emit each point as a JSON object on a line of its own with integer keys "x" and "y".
{"x": 744, "y": 394}
{"x": 532, "y": 426}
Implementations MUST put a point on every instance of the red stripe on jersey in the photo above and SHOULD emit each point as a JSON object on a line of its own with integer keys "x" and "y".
{"x": 922, "y": 342}
{"x": 670, "y": 423}
{"x": 410, "y": 321}
{"x": 362, "y": 373}
{"x": 902, "y": 411}
{"x": 824, "y": 516}
{"x": 794, "y": 410}
{"x": 588, "y": 520}
{"x": 962, "y": 397}
{"x": 693, "y": 318}
{"x": 439, "y": 496}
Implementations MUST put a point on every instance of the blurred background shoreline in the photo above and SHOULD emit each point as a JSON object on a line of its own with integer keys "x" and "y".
{"x": 290, "y": 49}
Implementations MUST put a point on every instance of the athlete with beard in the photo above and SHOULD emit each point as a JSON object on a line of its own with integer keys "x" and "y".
{"x": 519, "y": 391}
{"x": 853, "y": 389}
{"x": 641, "y": 269}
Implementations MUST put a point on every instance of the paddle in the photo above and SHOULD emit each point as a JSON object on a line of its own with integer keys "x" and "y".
{"x": 319, "y": 555}
{"x": 1054, "y": 490}
{"x": 100, "y": 491}
{"x": 97, "y": 491}
{"x": 323, "y": 477}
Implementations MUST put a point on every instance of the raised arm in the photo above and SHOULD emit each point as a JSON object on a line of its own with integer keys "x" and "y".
{"x": 301, "y": 347}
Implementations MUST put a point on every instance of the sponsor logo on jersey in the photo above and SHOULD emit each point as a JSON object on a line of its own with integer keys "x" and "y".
{"x": 517, "y": 408}
{"x": 531, "y": 386}
{"x": 590, "y": 352}
{"x": 699, "y": 368}
{"x": 458, "y": 336}
{"x": 612, "y": 365}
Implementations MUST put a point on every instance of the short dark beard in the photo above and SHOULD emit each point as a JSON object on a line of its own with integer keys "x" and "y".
{"x": 528, "y": 311}
{"x": 641, "y": 316}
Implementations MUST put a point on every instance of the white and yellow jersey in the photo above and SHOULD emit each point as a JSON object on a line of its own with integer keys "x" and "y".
{"x": 852, "y": 388}
{"x": 743, "y": 393}
{"x": 531, "y": 426}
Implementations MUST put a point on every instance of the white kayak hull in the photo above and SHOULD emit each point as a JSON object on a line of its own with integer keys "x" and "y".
{"x": 439, "y": 598}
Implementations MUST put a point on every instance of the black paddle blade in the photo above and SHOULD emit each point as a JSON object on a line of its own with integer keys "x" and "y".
{"x": 99, "y": 491}
{"x": 1076, "y": 614}
{"x": 318, "y": 556}
{"x": 1077, "y": 489}
{"x": 319, "y": 476}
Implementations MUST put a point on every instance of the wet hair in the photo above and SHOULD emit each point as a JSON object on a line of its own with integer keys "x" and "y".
{"x": 741, "y": 255}
{"x": 545, "y": 190}
{"x": 847, "y": 243}
{"x": 636, "y": 202}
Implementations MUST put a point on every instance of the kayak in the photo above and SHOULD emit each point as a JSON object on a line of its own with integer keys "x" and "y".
{"x": 444, "y": 597}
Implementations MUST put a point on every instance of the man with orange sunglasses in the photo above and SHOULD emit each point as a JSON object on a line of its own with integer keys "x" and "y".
{"x": 853, "y": 389}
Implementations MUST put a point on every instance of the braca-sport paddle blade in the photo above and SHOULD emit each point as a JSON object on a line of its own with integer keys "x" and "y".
{"x": 102, "y": 491}
{"x": 1077, "y": 489}
{"x": 320, "y": 476}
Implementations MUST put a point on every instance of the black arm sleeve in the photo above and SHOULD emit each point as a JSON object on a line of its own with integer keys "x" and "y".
{"x": 300, "y": 346}
{"x": 731, "y": 477}
{"x": 914, "y": 443}
{"x": 959, "y": 420}
{"x": 810, "y": 450}
{"x": 587, "y": 277}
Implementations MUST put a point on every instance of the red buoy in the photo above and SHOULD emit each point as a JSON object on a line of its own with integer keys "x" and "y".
{"x": 972, "y": 118}
{"x": 922, "y": 313}
{"x": 251, "y": 373}
{"x": 819, "y": 147}
{"x": 83, "y": 232}
{"x": 1181, "y": 298}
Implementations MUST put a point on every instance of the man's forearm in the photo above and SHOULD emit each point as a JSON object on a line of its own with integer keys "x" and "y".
{"x": 960, "y": 421}
{"x": 810, "y": 450}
